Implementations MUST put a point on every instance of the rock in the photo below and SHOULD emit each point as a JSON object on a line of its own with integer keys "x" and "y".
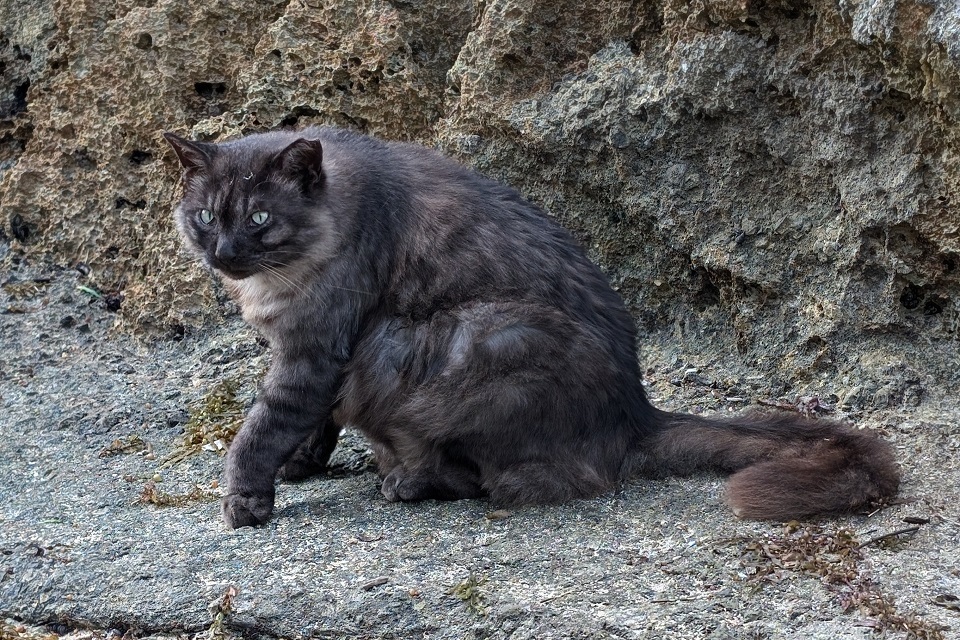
{"x": 786, "y": 171}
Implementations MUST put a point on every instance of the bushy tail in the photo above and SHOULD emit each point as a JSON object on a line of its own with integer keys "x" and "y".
{"x": 784, "y": 466}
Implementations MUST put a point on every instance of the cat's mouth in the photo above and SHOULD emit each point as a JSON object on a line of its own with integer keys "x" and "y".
{"x": 236, "y": 272}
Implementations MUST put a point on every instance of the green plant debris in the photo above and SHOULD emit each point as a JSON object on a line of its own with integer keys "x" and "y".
{"x": 90, "y": 291}
{"x": 220, "y": 609}
{"x": 151, "y": 495}
{"x": 130, "y": 444}
{"x": 469, "y": 592}
{"x": 214, "y": 422}
{"x": 834, "y": 557}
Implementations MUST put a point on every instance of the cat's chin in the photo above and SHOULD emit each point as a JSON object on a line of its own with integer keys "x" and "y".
{"x": 237, "y": 274}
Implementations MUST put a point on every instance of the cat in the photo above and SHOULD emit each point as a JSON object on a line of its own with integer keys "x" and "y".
{"x": 467, "y": 335}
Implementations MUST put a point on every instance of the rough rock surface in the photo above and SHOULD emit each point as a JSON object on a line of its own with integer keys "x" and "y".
{"x": 788, "y": 170}
{"x": 772, "y": 186}
{"x": 86, "y": 419}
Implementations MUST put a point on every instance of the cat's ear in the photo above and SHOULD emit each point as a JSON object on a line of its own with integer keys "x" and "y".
{"x": 194, "y": 156}
{"x": 301, "y": 160}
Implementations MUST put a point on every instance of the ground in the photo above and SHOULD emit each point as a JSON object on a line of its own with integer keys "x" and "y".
{"x": 99, "y": 538}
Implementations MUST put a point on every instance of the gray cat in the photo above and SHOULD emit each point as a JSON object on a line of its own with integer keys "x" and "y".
{"x": 466, "y": 334}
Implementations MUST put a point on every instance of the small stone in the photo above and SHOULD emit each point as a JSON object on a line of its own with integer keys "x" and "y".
{"x": 178, "y": 418}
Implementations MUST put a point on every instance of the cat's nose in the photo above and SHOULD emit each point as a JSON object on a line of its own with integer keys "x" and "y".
{"x": 225, "y": 251}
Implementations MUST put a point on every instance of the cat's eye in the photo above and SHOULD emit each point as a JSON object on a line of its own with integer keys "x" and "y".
{"x": 206, "y": 216}
{"x": 260, "y": 217}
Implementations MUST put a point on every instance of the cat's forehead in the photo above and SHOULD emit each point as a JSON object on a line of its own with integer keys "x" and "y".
{"x": 235, "y": 170}
{"x": 239, "y": 161}
{"x": 239, "y": 169}
{"x": 225, "y": 185}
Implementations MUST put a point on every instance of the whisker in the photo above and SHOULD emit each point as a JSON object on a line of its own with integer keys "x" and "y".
{"x": 366, "y": 293}
{"x": 274, "y": 267}
{"x": 308, "y": 292}
{"x": 282, "y": 277}
{"x": 288, "y": 252}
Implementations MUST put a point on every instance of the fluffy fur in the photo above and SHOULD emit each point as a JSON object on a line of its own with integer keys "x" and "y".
{"x": 466, "y": 334}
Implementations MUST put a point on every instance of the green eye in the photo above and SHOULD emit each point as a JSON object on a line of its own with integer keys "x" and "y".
{"x": 260, "y": 217}
{"x": 206, "y": 217}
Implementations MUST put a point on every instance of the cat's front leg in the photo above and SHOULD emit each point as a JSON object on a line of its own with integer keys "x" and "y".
{"x": 296, "y": 396}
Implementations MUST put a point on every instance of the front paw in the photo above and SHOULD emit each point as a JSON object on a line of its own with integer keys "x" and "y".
{"x": 245, "y": 511}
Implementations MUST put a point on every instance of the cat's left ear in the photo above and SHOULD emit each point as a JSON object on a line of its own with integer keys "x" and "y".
{"x": 194, "y": 156}
{"x": 302, "y": 160}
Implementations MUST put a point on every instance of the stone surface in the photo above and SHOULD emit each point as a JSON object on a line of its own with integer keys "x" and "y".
{"x": 772, "y": 186}
{"x": 79, "y": 549}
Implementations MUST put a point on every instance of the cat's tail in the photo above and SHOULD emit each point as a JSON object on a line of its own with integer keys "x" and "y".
{"x": 784, "y": 466}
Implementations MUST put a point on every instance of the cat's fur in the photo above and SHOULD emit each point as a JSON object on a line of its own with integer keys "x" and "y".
{"x": 467, "y": 335}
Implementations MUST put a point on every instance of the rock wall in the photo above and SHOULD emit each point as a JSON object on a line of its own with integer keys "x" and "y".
{"x": 767, "y": 183}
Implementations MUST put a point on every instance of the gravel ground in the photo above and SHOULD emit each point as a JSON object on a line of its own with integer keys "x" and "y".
{"x": 81, "y": 549}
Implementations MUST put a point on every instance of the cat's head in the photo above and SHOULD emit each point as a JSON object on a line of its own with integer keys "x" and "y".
{"x": 252, "y": 205}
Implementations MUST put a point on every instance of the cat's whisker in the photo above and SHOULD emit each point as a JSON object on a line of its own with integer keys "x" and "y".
{"x": 308, "y": 292}
{"x": 277, "y": 275}
{"x": 272, "y": 267}
{"x": 282, "y": 277}
{"x": 366, "y": 293}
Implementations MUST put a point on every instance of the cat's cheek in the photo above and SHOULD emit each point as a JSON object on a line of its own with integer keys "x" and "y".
{"x": 276, "y": 238}
{"x": 189, "y": 236}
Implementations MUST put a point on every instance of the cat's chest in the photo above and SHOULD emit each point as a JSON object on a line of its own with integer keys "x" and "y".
{"x": 262, "y": 303}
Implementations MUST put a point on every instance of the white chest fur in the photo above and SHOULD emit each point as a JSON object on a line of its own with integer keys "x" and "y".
{"x": 262, "y": 299}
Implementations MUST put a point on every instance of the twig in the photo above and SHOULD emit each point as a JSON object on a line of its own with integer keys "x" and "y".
{"x": 898, "y": 532}
{"x": 376, "y": 582}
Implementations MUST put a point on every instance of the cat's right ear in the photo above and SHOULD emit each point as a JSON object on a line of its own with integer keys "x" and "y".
{"x": 194, "y": 156}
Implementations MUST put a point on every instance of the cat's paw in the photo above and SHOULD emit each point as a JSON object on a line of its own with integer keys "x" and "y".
{"x": 390, "y": 488}
{"x": 297, "y": 469}
{"x": 245, "y": 511}
{"x": 402, "y": 486}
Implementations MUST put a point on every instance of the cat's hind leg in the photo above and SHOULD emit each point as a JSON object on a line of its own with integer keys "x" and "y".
{"x": 530, "y": 483}
{"x": 312, "y": 456}
{"x": 447, "y": 482}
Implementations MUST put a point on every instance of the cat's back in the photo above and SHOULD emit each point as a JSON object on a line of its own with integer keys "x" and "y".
{"x": 457, "y": 237}
{"x": 466, "y": 238}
